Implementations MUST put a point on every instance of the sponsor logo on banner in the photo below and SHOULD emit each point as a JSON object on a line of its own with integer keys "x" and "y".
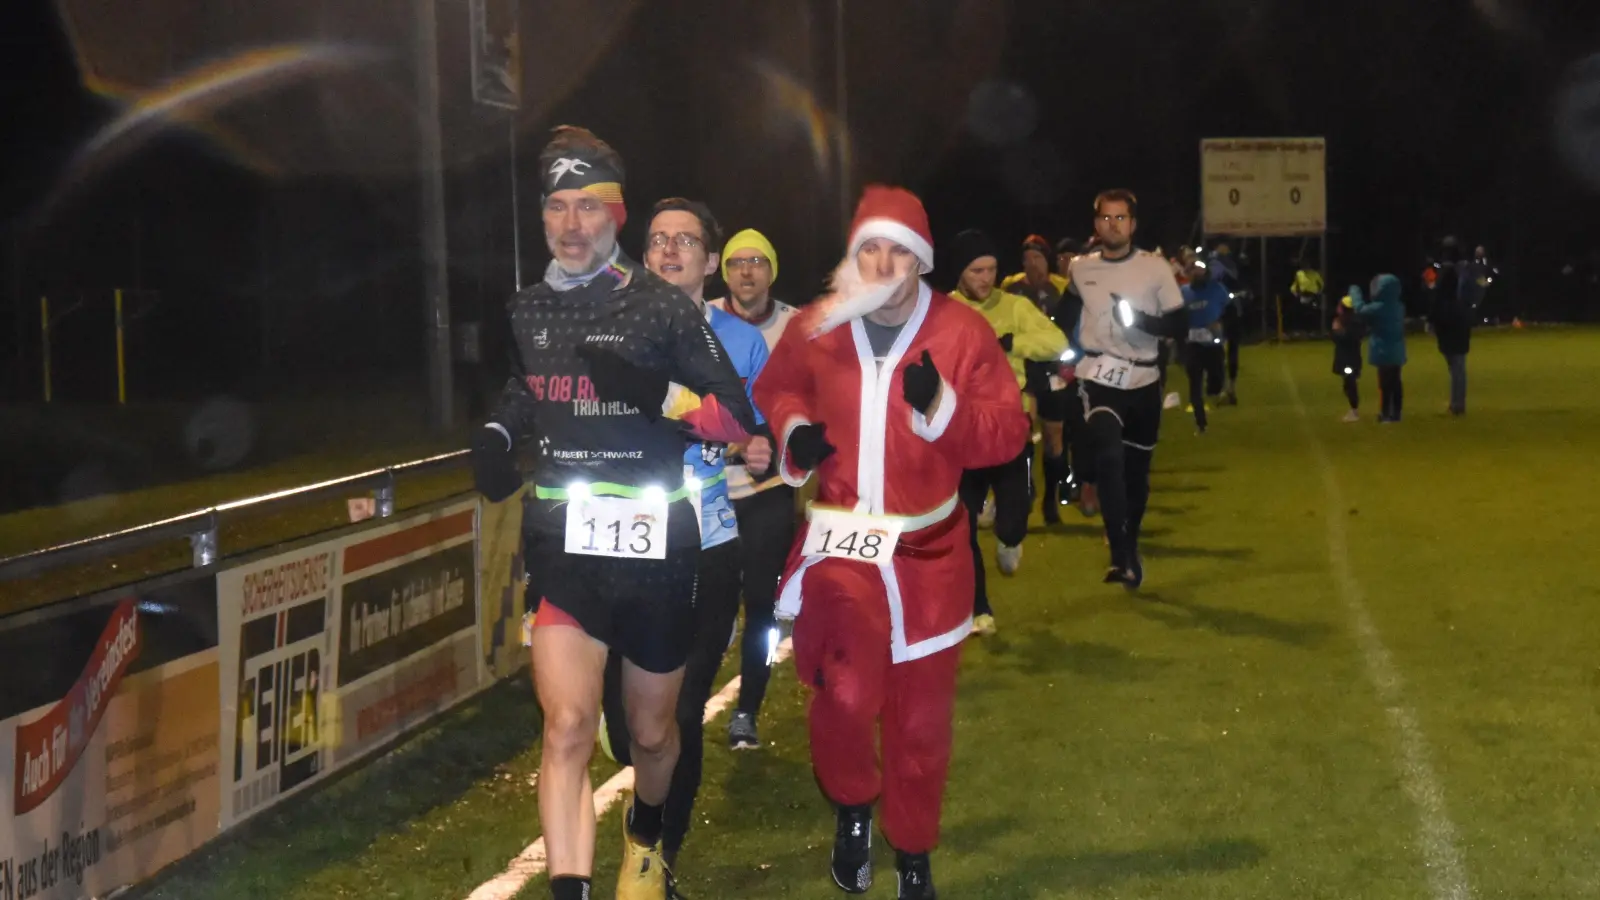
{"x": 276, "y": 652}
{"x": 333, "y": 649}
{"x": 502, "y": 587}
{"x": 408, "y": 619}
{"x": 112, "y": 739}
{"x": 48, "y": 747}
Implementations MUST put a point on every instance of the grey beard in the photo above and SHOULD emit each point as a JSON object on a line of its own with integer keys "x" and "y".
{"x": 602, "y": 253}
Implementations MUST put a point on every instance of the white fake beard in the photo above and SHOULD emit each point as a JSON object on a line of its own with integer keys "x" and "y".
{"x": 849, "y": 298}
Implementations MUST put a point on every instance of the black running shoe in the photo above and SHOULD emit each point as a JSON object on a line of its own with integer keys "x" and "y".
{"x": 915, "y": 875}
{"x": 1135, "y": 574}
{"x": 852, "y": 850}
{"x": 1116, "y": 575}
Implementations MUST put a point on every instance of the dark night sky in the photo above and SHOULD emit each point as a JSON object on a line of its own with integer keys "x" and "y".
{"x": 293, "y": 224}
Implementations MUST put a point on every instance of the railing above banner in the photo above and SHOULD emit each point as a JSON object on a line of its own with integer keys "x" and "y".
{"x": 200, "y": 527}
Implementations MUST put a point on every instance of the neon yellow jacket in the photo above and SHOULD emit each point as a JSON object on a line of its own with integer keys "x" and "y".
{"x": 1034, "y": 338}
{"x": 1307, "y": 281}
{"x": 1060, "y": 281}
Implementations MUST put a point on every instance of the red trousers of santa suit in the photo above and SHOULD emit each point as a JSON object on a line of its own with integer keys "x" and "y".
{"x": 841, "y": 649}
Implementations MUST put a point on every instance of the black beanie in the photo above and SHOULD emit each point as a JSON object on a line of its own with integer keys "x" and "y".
{"x": 1035, "y": 242}
{"x": 968, "y": 246}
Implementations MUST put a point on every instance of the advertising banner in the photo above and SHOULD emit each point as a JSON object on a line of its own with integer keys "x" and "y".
{"x": 500, "y": 564}
{"x": 110, "y": 737}
{"x": 332, "y": 649}
{"x": 408, "y": 614}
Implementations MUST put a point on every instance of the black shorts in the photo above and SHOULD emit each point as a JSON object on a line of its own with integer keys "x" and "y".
{"x": 644, "y": 609}
{"x": 1052, "y": 405}
{"x": 1139, "y": 410}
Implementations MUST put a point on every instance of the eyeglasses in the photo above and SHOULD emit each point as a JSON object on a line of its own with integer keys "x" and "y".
{"x": 683, "y": 239}
{"x": 754, "y": 262}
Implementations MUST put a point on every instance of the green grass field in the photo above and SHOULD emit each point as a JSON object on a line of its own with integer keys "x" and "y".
{"x": 1364, "y": 666}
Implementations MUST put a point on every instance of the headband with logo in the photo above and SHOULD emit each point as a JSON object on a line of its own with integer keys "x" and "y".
{"x": 583, "y": 171}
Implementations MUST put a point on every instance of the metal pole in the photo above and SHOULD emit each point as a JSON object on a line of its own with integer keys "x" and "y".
{"x": 1327, "y": 285}
{"x": 516, "y": 206}
{"x": 842, "y": 108}
{"x": 44, "y": 328}
{"x": 17, "y": 302}
{"x": 1261, "y": 261}
{"x": 435, "y": 259}
{"x": 122, "y": 360}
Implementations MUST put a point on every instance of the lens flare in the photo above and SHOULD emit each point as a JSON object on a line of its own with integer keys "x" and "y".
{"x": 189, "y": 98}
{"x": 798, "y": 104}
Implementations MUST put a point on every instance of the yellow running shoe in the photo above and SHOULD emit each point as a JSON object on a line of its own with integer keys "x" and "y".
{"x": 644, "y": 872}
{"x": 983, "y": 625}
{"x": 603, "y": 738}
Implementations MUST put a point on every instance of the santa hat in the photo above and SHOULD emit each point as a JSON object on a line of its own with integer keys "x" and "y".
{"x": 895, "y": 214}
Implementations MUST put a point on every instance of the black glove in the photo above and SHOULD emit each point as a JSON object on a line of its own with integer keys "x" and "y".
{"x": 1006, "y": 340}
{"x": 616, "y": 379}
{"x": 921, "y": 383}
{"x": 494, "y": 465}
{"x": 808, "y": 447}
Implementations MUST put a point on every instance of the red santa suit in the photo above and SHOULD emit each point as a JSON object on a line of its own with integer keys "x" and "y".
{"x": 880, "y": 643}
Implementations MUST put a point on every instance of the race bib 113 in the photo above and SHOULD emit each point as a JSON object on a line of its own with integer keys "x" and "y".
{"x": 618, "y": 527}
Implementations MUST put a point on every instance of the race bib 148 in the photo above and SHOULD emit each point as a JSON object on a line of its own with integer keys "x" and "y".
{"x": 847, "y": 535}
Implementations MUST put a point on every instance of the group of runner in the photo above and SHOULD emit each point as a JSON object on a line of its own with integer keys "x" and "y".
{"x": 667, "y": 436}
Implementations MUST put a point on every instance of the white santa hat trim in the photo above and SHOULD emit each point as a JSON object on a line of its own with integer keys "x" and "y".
{"x": 897, "y": 231}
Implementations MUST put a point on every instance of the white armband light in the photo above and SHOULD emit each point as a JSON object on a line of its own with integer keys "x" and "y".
{"x": 1124, "y": 312}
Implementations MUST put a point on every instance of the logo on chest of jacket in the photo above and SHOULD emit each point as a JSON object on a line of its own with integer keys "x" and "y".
{"x": 541, "y": 339}
{"x": 603, "y": 339}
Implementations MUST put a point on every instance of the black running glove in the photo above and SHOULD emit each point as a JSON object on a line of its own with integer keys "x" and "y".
{"x": 808, "y": 447}
{"x": 1007, "y": 340}
{"x": 616, "y": 379}
{"x": 494, "y": 465}
{"x": 921, "y": 383}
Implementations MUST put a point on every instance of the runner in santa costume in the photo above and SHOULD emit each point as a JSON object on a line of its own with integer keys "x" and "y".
{"x": 885, "y": 391}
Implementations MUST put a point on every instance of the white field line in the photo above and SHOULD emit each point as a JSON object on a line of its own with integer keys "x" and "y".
{"x": 531, "y": 861}
{"x": 1441, "y": 856}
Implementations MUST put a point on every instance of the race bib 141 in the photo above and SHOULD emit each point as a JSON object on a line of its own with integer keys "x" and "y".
{"x": 852, "y": 536}
{"x": 1106, "y": 370}
{"x": 618, "y": 527}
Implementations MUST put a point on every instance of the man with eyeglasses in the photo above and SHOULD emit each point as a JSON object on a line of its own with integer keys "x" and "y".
{"x": 678, "y": 249}
{"x": 612, "y": 534}
{"x": 1130, "y": 300}
{"x": 765, "y": 508}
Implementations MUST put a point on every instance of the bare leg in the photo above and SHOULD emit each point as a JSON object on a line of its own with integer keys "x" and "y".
{"x": 568, "y": 673}
{"x": 651, "y": 702}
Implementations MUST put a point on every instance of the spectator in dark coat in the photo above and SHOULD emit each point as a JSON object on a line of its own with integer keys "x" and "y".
{"x": 1450, "y": 315}
{"x": 1348, "y": 331}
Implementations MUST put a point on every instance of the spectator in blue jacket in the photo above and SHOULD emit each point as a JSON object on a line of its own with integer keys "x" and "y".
{"x": 1206, "y": 298}
{"x": 1385, "y": 315}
